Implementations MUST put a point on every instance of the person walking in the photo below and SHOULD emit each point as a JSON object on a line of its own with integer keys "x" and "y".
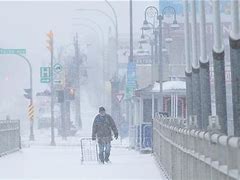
{"x": 102, "y": 129}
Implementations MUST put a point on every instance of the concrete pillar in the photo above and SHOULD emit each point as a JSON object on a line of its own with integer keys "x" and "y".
{"x": 204, "y": 70}
{"x": 196, "y": 89}
{"x": 234, "y": 40}
{"x": 219, "y": 68}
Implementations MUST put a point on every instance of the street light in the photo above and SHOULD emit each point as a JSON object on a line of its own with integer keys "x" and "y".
{"x": 114, "y": 23}
{"x": 154, "y": 12}
{"x": 101, "y": 34}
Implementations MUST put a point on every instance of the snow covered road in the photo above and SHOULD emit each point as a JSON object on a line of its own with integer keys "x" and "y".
{"x": 45, "y": 162}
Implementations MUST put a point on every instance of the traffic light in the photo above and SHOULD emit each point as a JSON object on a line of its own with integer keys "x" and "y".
{"x": 70, "y": 93}
{"x": 28, "y": 93}
{"x": 50, "y": 41}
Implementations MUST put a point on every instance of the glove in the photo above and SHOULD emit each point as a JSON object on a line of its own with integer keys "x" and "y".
{"x": 93, "y": 138}
{"x": 116, "y": 136}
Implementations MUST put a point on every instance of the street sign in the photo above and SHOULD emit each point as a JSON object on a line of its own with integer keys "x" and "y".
{"x": 143, "y": 59}
{"x": 45, "y": 74}
{"x": 12, "y": 51}
{"x": 57, "y": 68}
{"x": 57, "y": 82}
{"x": 131, "y": 79}
{"x": 119, "y": 97}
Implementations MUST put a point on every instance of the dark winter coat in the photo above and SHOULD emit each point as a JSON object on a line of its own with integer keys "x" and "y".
{"x": 102, "y": 129}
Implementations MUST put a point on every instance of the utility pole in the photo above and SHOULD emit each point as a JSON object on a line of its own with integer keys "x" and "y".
{"x": 50, "y": 47}
{"x": 188, "y": 70}
{"x": 195, "y": 69}
{"x": 219, "y": 68}
{"x": 204, "y": 71}
{"x": 130, "y": 60}
{"x": 234, "y": 41}
{"x": 77, "y": 84}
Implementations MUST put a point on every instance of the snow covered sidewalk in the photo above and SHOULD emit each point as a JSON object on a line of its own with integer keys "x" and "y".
{"x": 45, "y": 162}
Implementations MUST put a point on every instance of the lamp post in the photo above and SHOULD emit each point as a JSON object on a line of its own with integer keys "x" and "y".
{"x": 114, "y": 23}
{"x": 160, "y": 17}
{"x": 101, "y": 33}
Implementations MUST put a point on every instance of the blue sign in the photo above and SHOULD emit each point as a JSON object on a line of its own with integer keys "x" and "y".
{"x": 131, "y": 79}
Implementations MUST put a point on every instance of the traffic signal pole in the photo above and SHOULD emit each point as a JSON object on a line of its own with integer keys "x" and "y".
{"x": 31, "y": 136}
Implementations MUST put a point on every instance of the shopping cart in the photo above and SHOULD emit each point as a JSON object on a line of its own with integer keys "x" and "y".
{"x": 89, "y": 150}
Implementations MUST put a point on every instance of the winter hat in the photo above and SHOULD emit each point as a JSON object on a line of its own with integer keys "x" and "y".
{"x": 101, "y": 109}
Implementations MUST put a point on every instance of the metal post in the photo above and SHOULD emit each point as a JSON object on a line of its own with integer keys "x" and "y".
{"x": 195, "y": 69}
{"x": 116, "y": 31}
{"x": 31, "y": 136}
{"x": 130, "y": 60}
{"x": 188, "y": 70}
{"x": 152, "y": 62}
{"x": 204, "y": 70}
{"x": 160, "y": 63}
{"x": 52, "y": 101}
{"x": 155, "y": 72}
{"x": 131, "y": 31}
{"x": 63, "y": 118}
{"x": 219, "y": 69}
{"x": 77, "y": 85}
{"x": 234, "y": 40}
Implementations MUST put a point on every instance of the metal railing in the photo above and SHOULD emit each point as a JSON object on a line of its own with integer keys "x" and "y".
{"x": 10, "y": 140}
{"x": 189, "y": 154}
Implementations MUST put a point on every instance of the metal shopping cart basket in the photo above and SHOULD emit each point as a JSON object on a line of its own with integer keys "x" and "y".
{"x": 89, "y": 150}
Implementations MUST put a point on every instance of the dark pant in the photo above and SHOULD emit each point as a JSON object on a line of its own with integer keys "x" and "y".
{"x": 104, "y": 151}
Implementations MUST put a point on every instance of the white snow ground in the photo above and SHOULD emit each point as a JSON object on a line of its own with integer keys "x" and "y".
{"x": 61, "y": 162}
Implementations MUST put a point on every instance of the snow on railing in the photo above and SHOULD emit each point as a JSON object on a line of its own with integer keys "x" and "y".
{"x": 10, "y": 140}
{"x": 188, "y": 154}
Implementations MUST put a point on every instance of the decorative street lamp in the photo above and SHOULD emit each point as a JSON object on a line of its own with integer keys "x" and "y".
{"x": 153, "y": 12}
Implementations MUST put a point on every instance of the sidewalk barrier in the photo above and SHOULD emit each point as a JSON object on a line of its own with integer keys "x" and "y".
{"x": 10, "y": 139}
{"x": 190, "y": 154}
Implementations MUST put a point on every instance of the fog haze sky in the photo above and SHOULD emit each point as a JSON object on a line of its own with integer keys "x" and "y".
{"x": 25, "y": 24}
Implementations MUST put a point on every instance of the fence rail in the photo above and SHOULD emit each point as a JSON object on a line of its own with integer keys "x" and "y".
{"x": 9, "y": 136}
{"x": 188, "y": 154}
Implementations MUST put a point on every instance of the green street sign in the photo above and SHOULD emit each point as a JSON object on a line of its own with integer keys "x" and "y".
{"x": 45, "y": 74}
{"x": 12, "y": 51}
